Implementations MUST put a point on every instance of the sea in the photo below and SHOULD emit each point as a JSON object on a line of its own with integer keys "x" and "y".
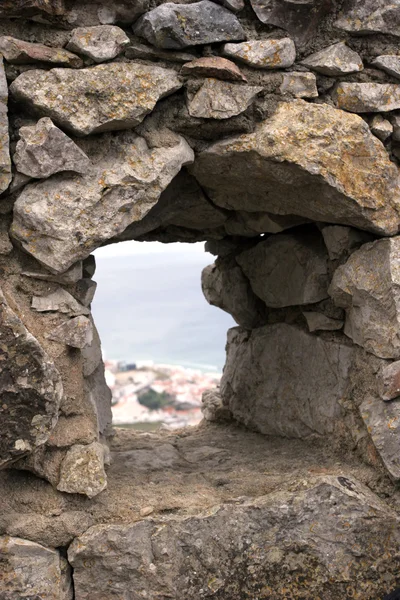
{"x": 149, "y": 306}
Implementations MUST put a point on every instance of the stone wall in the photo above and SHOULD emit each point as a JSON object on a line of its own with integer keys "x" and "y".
{"x": 269, "y": 129}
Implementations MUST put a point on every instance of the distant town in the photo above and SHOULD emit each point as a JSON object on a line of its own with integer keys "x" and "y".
{"x": 147, "y": 395}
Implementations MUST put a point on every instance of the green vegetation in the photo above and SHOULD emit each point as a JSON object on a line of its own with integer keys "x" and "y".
{"x": 154, "y": 400}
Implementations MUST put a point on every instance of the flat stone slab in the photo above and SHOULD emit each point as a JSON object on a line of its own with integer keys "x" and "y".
{"x": 19, "y": 52}
{"x": 88, "y": 101}
{"x": 221, "y": 100}
{"x": 213, "y": 66}
{"x": 335, "y": 60}
{"x": 263, "y": 54}
{"x": 367, "y": 97}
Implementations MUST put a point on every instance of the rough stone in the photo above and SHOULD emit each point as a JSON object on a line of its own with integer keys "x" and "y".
{"x": 317, "y": 321}
{"x": 370, "y": 16}
{"x": 89, "y": 100}
{"x": 76, "y": 429}
{"x": 175, "y": 26}
{"x": 221, "y": 100}
{"x": 388, "y": 63}
{"x": 394, "y": 119}
{"x": 30, "y": 389}
{"x": 299, "y": 85}
{"x": 19, "y": 52}
{"x": 5, "y": 243}
{"x": 137, "y": 50}
{"x": 29, "y": 570}
{"x": 5, "y": 160}
{"x": 368, "y": 287}
{"x": 259, "y": 393}
{"x": 197, "y": 555}
{"x": 123, "y": 186}
{"x": 85, "y": 291}
{"x": 263, "y": 54}
{"x": 59, "y": 301}
{"x": 100, "y": 43}
{"x": 287, "y": 269}
{"x": 92, "y": 355}
{"x": 342, "y": 241}
{"x": 100, "y": 396}
{"x": 250, "y": 224}
{"x": 233, "y": 5}
{"x": 224, "y": 285}
{"x": 367, "y": 97}
{"x": 27, "y": 8}
{"x": 82, "y": 470}
{"x": 121, "y": 11}
{"x": 381, "y": 127}
{"x": 43, "y": 150}
{"x": 335, "y": 60}
{"x": 213, "y": 408}
{"x": 382, "y": 420}
{"x": 390, "y": 381}
{"x": 333, "y": 170}
{"x": 69, "y": 277}
{"x": 213, "y": 66}
{"x": 77, "y": 333}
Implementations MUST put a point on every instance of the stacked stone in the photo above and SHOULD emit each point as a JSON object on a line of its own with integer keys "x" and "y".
{"x": 271, "y": 132}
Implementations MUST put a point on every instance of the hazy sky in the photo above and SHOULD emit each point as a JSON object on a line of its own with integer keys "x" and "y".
{"x": 132, "y": 248}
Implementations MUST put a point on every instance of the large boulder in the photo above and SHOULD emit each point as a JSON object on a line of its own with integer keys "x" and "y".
{"x": 368, "y": 287}
{"x": 88, "y": 101}
{"x": 62, "y": 219}
{"x": 309, "y": 160}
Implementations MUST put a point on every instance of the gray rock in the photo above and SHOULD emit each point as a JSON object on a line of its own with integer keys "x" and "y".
{"x": 120, "y": 11}
{"x": 316, "y": 321}
{"x": 309, "y": 176}
{"x": 394, "y": 119}
{"x": 221, "y": 100}
{"x": 390, "y": 381}
{"x": 263, "y": 54}
{"x": 100, "y": 397}
{"x": 59, "y": 301}
{"x": 76, "y": 429}
{"x": 233, "y": 5}
{"x": 388, "y": 63}
{"x": 137, "y": 50}
{"x": 213, "y": 409}
{"x": 335, "y": 60}
{"x": 287, "y": 269}
{"x": 43, "y": 150}
{"x": 27, "y": 8}
{"x": 381, "y": 127}
{"x": 175, "y": 26}
{"x": 30, "y": 389}
{"x": 342, "y": 241}
{"x": 85, "y": 291}
{"x": 92, "y": 356}
{"x": 367, "y": 97}
{"x": 89, "y": 100}
{"x": 82, "y": 470}
{"x": 100, "y": 43}
{"x": 275, "y": 377}
{"x": 382, "y": 420}
{"x": 19, "y": 52}
{"x": 300, "y": 19}
{"x": 368, "y": 287}
{"x": 299, "y": 85}
{"x": 69, "y": 277}
{"x": 5, "y": 160}
{"x": 370, "y": 16}
{"x": 192, "y": 556}
{"x": 213, "y": 66}
{"x": 76, "y": 332}
{"x": 224, "y": 285}
{"x": 124, "y": 184}
{"x": 5, "y": 243}
{"x": 30, "y": 570}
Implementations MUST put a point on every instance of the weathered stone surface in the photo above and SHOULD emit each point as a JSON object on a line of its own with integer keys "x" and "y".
{"x": 100, "y": 396}
{"x": 287, "y": 269}
{"x": 5, "y": 242}
{"x": 342, "y": 241}
{"x": 221, "y": 100}
{"x": 137, "y": 50}
{"x": 77, "y": 333}
{"x": 299, "y": 85}
{"x": 92, "y": 356}
{"x": 213, "y": 66}
{"x": 388, "y": 63}
{"x": 367, "y": 97}
{"x": 333, "y": 170}
{"x": 43, "y": 150}
{"x": 59, "y": 301}
{"x": 175, "y": 26}
{"x": 368, "y": 287}
{"x": 337, "y": 59}
{"x": 390, "y": 381}
{"x": 224, "y": 285}
{"x": 100, "y": 43}
{"x": 29, "y": 570}
{"x": 85, "y": 291}
{"x": 381, "y": 127}
{"x": 82, "y": 470}
{"x": 256, "y": 387}
{"x": 76, "y": 429}
{"x": 383, "y": 422}
{"x": 121, "y": 11}
{"x": 19, "y": 52}
{"x": 213, "y": 408}
{"x": 316, "y": 321}
{"x": 89, "y": 100}
{"x": 233, "y": 5}
{"x": 195, "y": 556}
{"x": 5, "y": 160}
{"x": 370, "y": 16}
{"x": 69, "y": 277}
{"x": 300, "y": 19}
{"x": 264, "y": 54}
{"x": 30, "y": 389}
{"x": 124, "y": 184}
{"x": 25, "y": 8}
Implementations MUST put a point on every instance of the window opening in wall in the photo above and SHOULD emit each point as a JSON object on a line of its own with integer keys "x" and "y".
{"x": 163, "y": 344}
